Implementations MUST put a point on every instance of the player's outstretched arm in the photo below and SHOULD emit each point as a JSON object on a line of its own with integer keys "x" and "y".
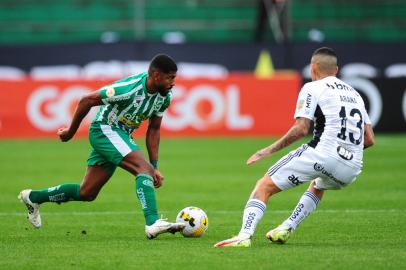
{"x": 299, "y": 129}
{"x": 83, "y": 108}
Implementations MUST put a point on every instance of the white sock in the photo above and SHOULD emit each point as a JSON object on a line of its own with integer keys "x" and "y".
{"x": 307, "y": 204}
{"x": 253, "y": 212}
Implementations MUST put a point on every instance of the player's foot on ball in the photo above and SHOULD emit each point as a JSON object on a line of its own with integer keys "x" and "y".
{"x": 162, "y": 226}
{"x": 280, "y": 234}
{"x": 236, "y": 241}
{"x": 33, "y": 208}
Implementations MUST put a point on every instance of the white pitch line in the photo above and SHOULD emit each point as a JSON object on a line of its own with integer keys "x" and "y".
{"x": 220, "y": 212}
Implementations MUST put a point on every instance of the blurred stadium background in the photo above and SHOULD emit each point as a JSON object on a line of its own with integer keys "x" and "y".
{"x": 69, "y": 47}
{"x": 42, "y": 21}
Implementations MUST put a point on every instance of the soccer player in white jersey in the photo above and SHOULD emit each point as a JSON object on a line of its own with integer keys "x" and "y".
{"x": 331, "y": 160}
{"x": 125, "y": 104}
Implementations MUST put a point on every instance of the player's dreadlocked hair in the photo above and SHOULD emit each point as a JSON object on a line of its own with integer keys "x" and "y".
{"x": 164, "y": 63}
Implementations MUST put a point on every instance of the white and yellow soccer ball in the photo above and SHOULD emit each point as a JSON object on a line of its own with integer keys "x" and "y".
{"x": 195, "y": 219}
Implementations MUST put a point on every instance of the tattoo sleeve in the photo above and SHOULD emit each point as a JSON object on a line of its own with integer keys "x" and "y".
{"x": 296, "y": 132}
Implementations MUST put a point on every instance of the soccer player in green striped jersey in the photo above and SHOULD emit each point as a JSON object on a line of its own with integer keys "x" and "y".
{"x": 124, "y": 105}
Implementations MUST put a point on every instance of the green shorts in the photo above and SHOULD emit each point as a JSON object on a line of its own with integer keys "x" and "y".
{"x": 110, "y": 146}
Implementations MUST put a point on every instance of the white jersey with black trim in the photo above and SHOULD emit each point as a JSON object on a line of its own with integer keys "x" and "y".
{"x": 339, "y": 116}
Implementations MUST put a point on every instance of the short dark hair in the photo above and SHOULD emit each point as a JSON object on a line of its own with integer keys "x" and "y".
{"x": 164, "y": 63}
{"x": 325, "y": 51}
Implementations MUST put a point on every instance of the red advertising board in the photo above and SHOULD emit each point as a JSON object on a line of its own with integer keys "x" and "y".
{"x": 240, "y": 105}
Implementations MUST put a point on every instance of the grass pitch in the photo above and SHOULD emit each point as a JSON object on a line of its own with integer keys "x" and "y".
{"x": 360, "y": 227}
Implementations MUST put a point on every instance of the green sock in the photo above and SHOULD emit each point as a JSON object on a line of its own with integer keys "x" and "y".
{"x": 144, "y": 185}
{"x": 61, "y": 193}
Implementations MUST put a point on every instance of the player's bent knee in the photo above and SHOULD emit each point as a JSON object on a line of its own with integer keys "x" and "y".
{"x": 269, "y": 185}
{"x": 137, "y": 168}
{"x": 144, "y": 170}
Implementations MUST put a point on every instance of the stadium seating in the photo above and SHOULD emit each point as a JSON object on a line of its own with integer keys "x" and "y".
{"x": 340, "y": 20}
{"x": 32, "y": 21}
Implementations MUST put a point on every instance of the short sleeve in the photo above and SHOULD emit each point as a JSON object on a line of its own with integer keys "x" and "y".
{"x": 367, "y": 120}
{"x": 306, "y": 103}
{"x": 122, "y": 90}
{"x": 110, "y": 94}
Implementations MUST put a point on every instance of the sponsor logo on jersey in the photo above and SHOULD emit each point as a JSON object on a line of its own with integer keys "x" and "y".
{"x": 133, "y": 117}
{"x": 339, "y": 86}
{"x": 119, "y": 98}
{"x": 308, "y": 100}
{"x": 129, "y": 123}
{"x": 344, "y": 153}
{"x": 320, "y": 168}
{"x": 294, "y": 180}
{"x": 110, "y": 92}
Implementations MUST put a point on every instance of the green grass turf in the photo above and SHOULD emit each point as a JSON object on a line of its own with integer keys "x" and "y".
{"x": 360, "y": 227}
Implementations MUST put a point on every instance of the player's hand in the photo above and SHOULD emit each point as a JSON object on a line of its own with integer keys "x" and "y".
{"x": 64, "y": 134}
{"x": 258, "y": 156}
{"x": 158, "y": 179}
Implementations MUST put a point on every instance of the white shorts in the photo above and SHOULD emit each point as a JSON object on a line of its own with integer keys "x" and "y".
{"x": 306, "y": 164}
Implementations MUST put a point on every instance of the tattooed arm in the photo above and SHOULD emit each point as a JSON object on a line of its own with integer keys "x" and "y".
{"x": 296, "y": 132}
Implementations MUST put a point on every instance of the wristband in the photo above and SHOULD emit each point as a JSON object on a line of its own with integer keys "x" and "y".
{"x": 154, "y": 163}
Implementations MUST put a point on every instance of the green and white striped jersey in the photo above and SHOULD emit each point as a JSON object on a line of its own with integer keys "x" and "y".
{"x": 127, "y": 103}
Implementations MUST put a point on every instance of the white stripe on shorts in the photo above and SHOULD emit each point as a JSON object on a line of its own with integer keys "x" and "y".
{"x": 286, "y": 160}
{"x": 116, "y": 140}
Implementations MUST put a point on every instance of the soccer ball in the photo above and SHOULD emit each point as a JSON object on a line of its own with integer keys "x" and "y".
{"x": 195, "y": 219}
